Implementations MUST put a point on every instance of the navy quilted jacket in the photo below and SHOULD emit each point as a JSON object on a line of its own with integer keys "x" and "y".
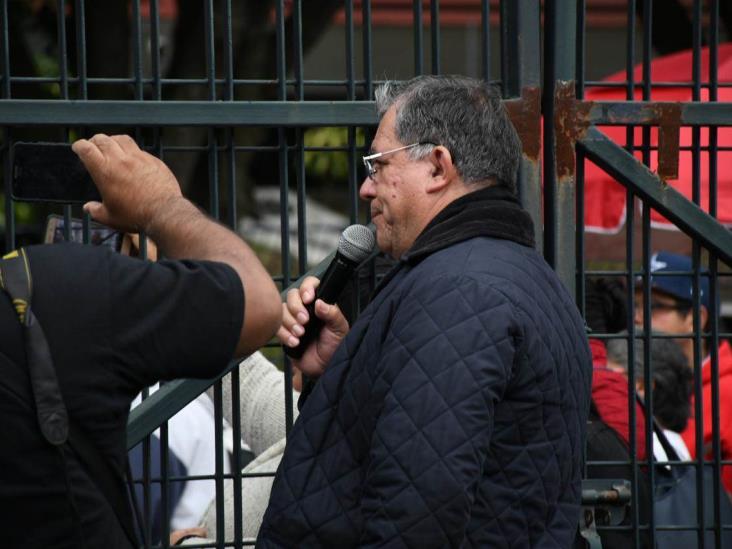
{"x": 453, "y": 413}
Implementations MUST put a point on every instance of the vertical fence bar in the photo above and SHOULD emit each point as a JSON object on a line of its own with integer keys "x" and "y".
{"x": 157, "y": 149}
{"x": 282, "y": 144}
{"x": 5, "y": 49}
{"x": 211, "y": 78}
{"x": 81, "y": 50}
{"x": 580, "y": 57}
{"x": 228, "y": 94}
{"x": 157, "y": 90}
{"x": 137, "y": 69}
{"x": 713, "y": 313}
{"x": 521, "y": 70}
{"x": 485, "y": 39}
{"x": 82, "y": 89}
{"x": 630, "y": 207}
{"x": 559, "y": 182}
{"x": 219, "y": 462}
{"x": 163, "y": 454}
{"x": 137, "y": 49}
{"x": 368, "y": 69}
{"x": 504, "y": 9}
{"x": 351, "y": 95}
{"x": 63, "y": 58}
{"x": 297, "y": 54}
{"x": 647, "y": 371}
{"x": 696, "y": 256}
{"x": 7, "y": 169}
{"x": 214, "y": 210}
{"x": 147, "y": 447}
{"x": 646, "y": 226}
{"x": 368, "y": 92}
{"x": 165, "y": 510}
{"x": 435, "y": 35}
{"x": 418, "y": 37}
{"x": 579, "y": 242}
{"x": 511, "y": 47}
{"x": 630, "y": 282}
{"x": 579, "y": 159}
{"x": 63, "y": 62}
{"x": 301, "y": 181}
{"x": 236, "y": 458}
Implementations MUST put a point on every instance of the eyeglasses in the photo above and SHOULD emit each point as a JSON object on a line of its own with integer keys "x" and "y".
{"x": 371, "y": 167}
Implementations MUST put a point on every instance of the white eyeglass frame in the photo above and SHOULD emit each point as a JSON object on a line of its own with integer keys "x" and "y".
{"x": 371, "y": 169}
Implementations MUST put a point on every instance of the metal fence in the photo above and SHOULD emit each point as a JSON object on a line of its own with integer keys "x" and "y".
{"x": 234, "y": 94}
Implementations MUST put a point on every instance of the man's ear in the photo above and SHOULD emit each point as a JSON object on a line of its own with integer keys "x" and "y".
{"x": 443, "y": 170}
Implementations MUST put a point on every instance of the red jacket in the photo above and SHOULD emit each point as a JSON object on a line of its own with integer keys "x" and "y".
{"x": 725, "y": 412}
{"x": 610, "y": 396}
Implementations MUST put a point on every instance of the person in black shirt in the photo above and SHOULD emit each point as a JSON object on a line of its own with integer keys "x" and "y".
{"x": 115, "y": 325}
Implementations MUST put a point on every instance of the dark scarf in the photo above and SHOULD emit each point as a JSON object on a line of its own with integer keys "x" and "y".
{"x": 493, "y": 212}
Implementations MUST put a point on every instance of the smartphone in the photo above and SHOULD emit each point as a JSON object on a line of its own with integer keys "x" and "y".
{"x": 50, "y": 172}
{"x": 99, "y": 235}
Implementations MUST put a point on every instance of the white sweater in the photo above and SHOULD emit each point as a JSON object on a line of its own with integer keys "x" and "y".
{"x": 262, "y": 409}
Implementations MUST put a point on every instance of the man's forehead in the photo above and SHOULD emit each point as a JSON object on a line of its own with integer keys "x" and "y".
{"x": 384, "y": 137}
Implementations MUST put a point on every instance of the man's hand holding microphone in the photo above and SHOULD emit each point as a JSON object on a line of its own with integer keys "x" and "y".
{"x": 312, "y": 324}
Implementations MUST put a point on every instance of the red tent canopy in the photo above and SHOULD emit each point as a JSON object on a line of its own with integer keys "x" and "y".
{"x": 671, "y": 76}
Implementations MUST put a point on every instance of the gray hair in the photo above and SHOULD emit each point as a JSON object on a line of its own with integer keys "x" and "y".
{"x": 464, "y": 115}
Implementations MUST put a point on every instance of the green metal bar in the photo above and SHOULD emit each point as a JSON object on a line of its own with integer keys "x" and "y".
{"x": 485, "y": 39}
{"x": 418, "y": 37}
{"x": 63, "y": 61}
{"x": 643, "y": 113}
{"x": 5, "y": 151}
{"x": 31, "y": 112}
{"x": 187, "y": 113}
{"x": 435, "y": 40}
{"x": 668, "y": 201}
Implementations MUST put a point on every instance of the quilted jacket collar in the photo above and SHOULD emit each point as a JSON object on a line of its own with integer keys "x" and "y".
{"x": 493, "y": 211}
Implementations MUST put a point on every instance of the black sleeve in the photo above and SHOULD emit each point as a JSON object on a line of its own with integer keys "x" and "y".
{"x": 178, "y": 318}
{"x": 144, "y": 321}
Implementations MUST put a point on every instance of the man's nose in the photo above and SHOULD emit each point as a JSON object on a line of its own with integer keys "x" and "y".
{"x": 366, "y": 192}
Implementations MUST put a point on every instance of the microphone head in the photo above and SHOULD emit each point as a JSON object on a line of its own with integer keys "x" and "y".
{"x": 356, "y": 243}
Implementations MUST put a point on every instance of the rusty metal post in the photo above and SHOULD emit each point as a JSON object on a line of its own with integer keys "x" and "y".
{"x": 559, "y": 170}
{"x": 521, "y": 24}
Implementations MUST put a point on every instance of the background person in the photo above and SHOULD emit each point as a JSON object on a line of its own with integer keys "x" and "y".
{"x": 453, "y": 411}
{"x": 672, "y": 386}
{"x": 671, "y": 312}
{"x": 115, "y": 325}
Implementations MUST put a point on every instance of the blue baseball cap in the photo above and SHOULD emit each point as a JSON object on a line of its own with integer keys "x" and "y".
{"x": 681, "y": 286}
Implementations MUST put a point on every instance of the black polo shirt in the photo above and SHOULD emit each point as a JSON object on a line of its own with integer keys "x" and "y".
{"x": 114, "y": 326}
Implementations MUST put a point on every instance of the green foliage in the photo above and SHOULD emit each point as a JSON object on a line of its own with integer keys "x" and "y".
{"x": 324, "y": 164}
{"x": 25, "y": 213}
{"x": 47, "y": 66}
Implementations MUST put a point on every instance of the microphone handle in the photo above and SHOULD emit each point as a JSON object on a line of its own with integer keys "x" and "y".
{"x": 331, "y": 285}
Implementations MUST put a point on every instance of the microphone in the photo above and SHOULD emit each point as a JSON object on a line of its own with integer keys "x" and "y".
{"x": 355, "y": 245}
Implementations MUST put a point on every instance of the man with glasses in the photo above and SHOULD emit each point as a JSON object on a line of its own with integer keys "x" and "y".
{"x": 672, "y": 311}
{"x": 452, "y": 412}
